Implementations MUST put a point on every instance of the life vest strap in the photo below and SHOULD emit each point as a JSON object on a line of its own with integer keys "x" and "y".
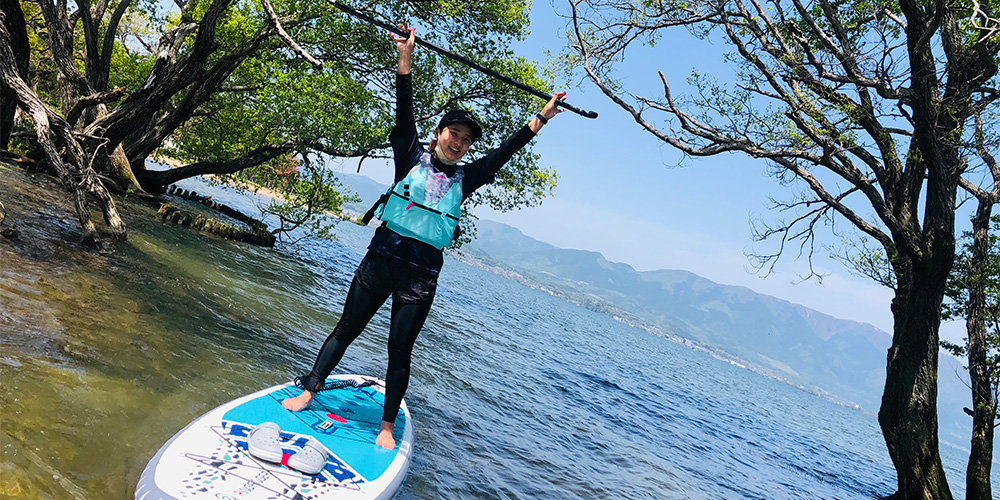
{"x": 385, "y": 197}
{"x": 425, "y": 207}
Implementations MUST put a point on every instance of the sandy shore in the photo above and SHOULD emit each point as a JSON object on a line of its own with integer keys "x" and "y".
{"x": 254, "y": 188}
{"x": 270, "y": 193}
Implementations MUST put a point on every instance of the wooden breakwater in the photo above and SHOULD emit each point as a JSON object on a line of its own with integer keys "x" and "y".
{"x": 256, "y": 235}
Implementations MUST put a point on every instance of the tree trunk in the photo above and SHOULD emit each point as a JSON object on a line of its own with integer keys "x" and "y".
{"x": 8, "y": 108}
{"x": 14, "y": 23}
{"x": 165, "y": 79}
{"x": 121, "y": 170}
{"x": 116, "y": 164}
{"x": 141, "y": 142}
{"x": 908, "y": 415}
{"x": 977, "y": 478}
{"x": 76, "y": 174}
{"x": 157, "y": 180}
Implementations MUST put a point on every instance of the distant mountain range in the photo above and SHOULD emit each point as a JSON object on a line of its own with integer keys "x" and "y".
{"x": 366, "y": 189}
{"x": 777, "y": 338}
{"x": 837, "y": 359}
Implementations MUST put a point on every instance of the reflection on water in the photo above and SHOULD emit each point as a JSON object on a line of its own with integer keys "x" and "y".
{"x": 515, "y": 394}
{"x": 102, "y": 359}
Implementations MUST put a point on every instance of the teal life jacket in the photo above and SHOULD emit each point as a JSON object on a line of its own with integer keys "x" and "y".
{"x": 425, "y": 205}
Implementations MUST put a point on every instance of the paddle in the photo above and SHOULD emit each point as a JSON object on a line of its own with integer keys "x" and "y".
{"x": 463, "y": 60}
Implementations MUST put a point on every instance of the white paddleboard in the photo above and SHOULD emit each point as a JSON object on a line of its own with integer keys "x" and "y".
{"x": 209, "y": 458}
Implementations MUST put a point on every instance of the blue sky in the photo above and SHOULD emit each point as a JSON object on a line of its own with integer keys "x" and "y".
{"x": 622, "y": 193}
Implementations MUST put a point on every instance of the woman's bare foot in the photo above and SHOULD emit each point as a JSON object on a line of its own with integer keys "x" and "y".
{"x": 384, "y": 438}
{"x": 298, "y": 402}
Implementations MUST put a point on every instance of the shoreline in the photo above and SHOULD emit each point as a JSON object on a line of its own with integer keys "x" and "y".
{"x": 270, "y": 193}
{"x": 38, "y": 220}
{"x": 344, "y": 215}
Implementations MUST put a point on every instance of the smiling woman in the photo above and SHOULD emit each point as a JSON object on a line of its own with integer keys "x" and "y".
{"x": 454, "y": 136}
{"x": 420, "y": 216}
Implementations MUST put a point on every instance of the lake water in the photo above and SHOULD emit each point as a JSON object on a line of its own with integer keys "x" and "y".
{"x": 515, "y": 394}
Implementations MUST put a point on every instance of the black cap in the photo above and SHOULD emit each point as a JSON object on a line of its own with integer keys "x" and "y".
{"x": 462, "y": 116}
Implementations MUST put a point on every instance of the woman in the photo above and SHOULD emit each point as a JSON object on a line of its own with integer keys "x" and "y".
{"x": 420, "y": 216}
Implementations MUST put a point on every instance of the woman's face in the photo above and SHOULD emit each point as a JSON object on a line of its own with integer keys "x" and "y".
{"x": 454, "y": 139}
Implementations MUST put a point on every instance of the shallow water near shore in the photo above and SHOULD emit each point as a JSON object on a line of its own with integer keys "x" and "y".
{"x": 515, "y": 394}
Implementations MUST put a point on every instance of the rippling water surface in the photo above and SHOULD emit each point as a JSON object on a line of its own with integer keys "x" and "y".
{"x": 515, "y": 394}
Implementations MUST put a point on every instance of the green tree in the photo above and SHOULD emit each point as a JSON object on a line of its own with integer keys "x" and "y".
{"x": 228, "y": 86}
{"x": 66, "y": 152}
{"x": 865, "y": 105}
{"x": 973, "y": 295}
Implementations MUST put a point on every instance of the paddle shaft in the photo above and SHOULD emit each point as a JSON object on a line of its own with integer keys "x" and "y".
{"x": 463, "y": 60}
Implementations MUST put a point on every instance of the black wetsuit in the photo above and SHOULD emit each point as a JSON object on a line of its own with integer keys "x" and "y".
{"x": 401, "y": 267}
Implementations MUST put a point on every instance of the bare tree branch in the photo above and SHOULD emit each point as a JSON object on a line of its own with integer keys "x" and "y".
{"x": 285, "y": 37}
{"x": 879, "y": 100}
{"x": 93, "y": 100}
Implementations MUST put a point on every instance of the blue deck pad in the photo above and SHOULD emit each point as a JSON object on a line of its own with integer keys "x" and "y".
{"x": 345, "y": 420}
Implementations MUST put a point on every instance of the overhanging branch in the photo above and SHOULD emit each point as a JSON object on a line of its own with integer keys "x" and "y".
{"x": 92, "y": 100}
{"x": 272, "y": 18}
{"x": 251, "y": 159}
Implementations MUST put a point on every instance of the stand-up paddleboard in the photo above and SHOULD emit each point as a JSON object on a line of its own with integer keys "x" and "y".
{"x": 209, "y": 457}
